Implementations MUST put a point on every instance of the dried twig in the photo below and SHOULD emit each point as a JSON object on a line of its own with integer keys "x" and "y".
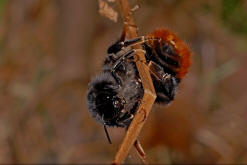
{"x": 149, "y": 92}
{"x": 140, "y": 151}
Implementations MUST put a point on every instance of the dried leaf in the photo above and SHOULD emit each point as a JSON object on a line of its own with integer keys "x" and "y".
{"x": 107, "y": 11}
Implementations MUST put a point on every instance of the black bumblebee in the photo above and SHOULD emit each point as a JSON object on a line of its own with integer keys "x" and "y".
{"x": 114, "y": 95}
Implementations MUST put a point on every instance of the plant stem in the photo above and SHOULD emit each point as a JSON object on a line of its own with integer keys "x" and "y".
{"x": 149, "y": 92}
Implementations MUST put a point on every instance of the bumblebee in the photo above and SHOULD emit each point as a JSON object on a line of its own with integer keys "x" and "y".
{"x": 114, "y": 95}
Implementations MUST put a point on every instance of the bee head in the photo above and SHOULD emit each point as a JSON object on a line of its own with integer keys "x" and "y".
{"x": 108, "y": 105}
{"x": 102, "y": 100}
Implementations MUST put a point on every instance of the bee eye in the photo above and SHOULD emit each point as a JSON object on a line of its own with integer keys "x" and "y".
{"x": 116, "y": 104}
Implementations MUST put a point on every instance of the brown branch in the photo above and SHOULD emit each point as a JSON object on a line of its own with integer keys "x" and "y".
{"x": 149, "y": 92}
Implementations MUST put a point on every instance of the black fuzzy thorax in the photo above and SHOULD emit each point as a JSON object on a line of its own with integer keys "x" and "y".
{"x": 131, "y": 91}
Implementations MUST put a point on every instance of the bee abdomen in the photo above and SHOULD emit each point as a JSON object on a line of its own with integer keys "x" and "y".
{"x": 167, "y": 55}
{"x": 170, "y": 52}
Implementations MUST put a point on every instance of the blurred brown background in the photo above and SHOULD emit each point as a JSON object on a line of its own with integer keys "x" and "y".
{"x": 50, "y": 49}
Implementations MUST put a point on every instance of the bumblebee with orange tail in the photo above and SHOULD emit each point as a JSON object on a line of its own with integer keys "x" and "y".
{"x": 114, "y": 95}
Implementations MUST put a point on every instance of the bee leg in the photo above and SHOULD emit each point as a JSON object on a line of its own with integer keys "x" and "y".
{"x": 123, "y": 112}
{"x": 111, "y": 57}
{"x": 165, "y": 84}
{"x": 138, "y": 40}
{"x": 166, "y": 88}
{"x": 126, "y": 55}
{"x": 125, "y": 119}
{"x": 156, "y": 70}
{"x": 118, "y": 63}
{"x": 128, "y": 118}
{"x": 119, "y": 121}
{"x": 134, "y": 41}
{"x": 116, "y": 77}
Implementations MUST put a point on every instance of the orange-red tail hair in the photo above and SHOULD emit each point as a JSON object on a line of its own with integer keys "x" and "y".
{"x": 180, "y": 47}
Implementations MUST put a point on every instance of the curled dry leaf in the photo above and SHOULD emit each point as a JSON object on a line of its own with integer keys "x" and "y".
{"x": 107, "y": 11}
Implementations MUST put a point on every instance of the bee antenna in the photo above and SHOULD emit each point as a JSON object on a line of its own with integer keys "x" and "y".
{"x": 107, "y": 135}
